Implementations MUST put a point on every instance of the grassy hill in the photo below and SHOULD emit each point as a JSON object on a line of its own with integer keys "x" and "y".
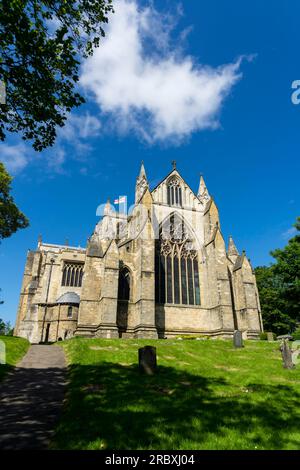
{"x": 15, "y": 350}
{"x": 205, "y": 395}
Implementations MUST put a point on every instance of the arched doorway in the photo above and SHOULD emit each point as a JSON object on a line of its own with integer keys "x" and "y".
{"x": 123, "y": 300}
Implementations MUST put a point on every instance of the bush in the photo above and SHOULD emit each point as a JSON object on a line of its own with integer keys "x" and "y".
{"x": 264, "y": 336}
{"x": 296, "y": 335}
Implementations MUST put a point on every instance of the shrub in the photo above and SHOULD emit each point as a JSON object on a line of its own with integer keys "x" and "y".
{"x": 264, "y": 336}
{"x": 296, "y": 335}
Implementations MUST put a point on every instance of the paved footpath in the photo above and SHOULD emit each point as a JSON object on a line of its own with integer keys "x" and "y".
{"x": 31, "y": 399}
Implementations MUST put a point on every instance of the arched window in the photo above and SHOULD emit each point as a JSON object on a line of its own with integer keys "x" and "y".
{"x": 72, "y": 274}
{"x": 174, "y": 192}
{"x": 176, "y": 265}
{"x": 124, "y": 284}
{"x": 70, "y": 311}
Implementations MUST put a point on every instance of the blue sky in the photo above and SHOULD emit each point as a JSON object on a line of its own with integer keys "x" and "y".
{"x": 146, "y": 102}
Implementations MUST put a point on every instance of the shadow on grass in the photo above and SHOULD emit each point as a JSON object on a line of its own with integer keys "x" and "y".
{"x": 5, "y": 369}
{"x": 113, "y": 406}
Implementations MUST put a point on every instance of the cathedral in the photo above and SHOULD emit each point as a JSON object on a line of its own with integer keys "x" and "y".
{"x": 162, "y": 270}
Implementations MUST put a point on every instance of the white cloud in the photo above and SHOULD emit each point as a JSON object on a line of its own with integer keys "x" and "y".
{"x": 290, "y": 233}
{"x": 74, "y": 141}
{"x": 15, "y": 157}
{"x": 79, "y": 127}
{"x": 143, "y": 85}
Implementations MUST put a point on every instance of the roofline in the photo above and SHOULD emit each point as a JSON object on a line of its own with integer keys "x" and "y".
{"x": 167, "y": 176}
{"x": 52, "y": 245}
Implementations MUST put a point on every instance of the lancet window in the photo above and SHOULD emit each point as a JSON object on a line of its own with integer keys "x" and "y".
{"x": 174, "y": 192}
{"x": 72, "y": 274}
{"x": 124, "y": 284}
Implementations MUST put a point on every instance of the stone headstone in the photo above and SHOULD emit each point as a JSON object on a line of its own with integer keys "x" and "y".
{"x": 270, "y": 336}
{"x": 147, "y": 359}
{"x": 2, "y": 353}
{"x": 285, "y": 337}
{"x": 286, "y": 355}
{"x": 238, "y": 339}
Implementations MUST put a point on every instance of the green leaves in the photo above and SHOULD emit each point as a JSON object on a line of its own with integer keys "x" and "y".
{"x": 279, "y": 287}
{"x": 42, "y": 44}
{"x": 11, "y": 219}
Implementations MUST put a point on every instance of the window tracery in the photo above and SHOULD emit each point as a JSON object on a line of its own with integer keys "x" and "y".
{"x": 176, "y": 265}
{"x": 174, "y": 192}
{"x": 72, "y": 274}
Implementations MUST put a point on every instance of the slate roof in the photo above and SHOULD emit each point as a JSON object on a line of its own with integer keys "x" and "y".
{"x": 69, "y": 298}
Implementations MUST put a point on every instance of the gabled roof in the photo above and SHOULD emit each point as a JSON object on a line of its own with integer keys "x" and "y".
{"x": 174, "y": 172}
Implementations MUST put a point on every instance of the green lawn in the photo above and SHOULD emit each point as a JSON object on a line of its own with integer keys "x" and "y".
{"x": 205, "y": 395}
{"x": 15, "y": 350}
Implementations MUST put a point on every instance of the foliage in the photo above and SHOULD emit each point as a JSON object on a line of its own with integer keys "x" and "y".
{"x": 263, "y": 336}
{"x": 11, "y": 218}
{"x": 205, "y": 395}
{"x": 6, "y": 328}
{"x": 287, "y": 268}
{"x": 15, "y": 350}
{"x": 41, "y": 44}
{"x": 279, "y": 288}
{"x": 296, "y": 335}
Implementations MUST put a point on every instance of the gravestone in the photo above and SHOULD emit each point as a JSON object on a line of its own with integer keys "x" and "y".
{"x": 286, "y": 355}
{"x": 295, "y": 350}
{"x": 147, "y": 360}
{"x": 285, "y": 337}
{"x": 2, "y": 353}
{"x": 238, "y": 339}
{"x": 270, "y": 336}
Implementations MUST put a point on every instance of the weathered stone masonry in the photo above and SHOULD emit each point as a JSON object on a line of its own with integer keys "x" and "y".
{"x": 163, "y": 271}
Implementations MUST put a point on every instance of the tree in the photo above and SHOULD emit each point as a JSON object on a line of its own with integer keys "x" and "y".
{"x": 6, "y": 328}
{"x": 279, "y": 287}
{"x": 41, "y": 45}
{"x": 11, "y": 219}
{"x": 274, "y": 312}
{"x": 287, "y": 268}
{"x": 2, "y": 327}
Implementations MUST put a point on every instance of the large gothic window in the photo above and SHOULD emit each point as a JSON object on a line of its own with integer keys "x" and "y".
{"x": 124, "y": 284}
{"x": 174, "y": 192}
{"x": 72, "y": 274}
{"x": 176, "y": 265}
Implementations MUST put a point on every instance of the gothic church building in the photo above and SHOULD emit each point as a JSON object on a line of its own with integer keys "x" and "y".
{"x": 160, "y": 272}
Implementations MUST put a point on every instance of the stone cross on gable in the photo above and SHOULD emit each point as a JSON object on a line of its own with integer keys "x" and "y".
{"x": 174, "y": 164}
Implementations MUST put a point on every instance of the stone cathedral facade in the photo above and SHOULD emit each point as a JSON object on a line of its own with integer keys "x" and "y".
{"x": 162, "y": 271}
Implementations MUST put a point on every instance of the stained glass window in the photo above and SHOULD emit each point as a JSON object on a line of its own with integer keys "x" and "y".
{"x": 176, "y": 265}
